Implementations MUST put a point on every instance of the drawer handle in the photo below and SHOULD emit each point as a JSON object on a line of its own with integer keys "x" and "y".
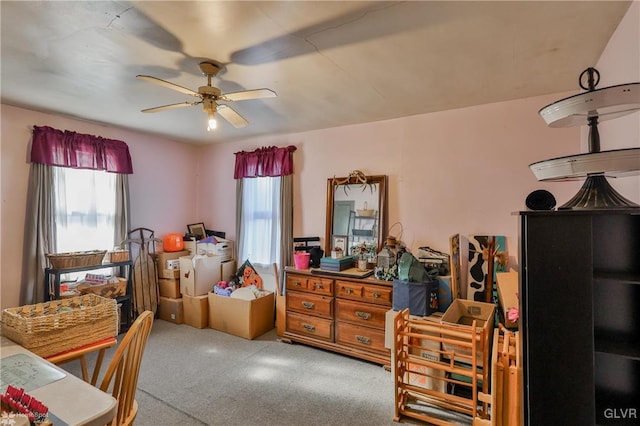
{"x": 363, "y": 339}
{"x": 309, "y": 327}
{"x": 376, "y": 295}
{"x": 308, "y": 305}
{"x": 363, "y": 315}
{"x": 297, "y": 283}
{"x": 319, "y": 286}
{"x": 348, "y": 290}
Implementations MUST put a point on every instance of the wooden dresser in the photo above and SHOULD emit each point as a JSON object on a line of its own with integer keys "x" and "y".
{"x": 345, "y": 315}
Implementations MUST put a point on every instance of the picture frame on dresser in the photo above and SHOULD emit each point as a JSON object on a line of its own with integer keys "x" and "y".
{"x": 340, "y": 241}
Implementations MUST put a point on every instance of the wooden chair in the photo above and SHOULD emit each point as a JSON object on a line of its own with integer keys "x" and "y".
{"x": 79, "y": 354}
{"x": 121, "y": 377}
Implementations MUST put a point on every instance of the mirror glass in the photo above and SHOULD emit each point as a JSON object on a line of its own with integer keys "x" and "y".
{"x": 356, "y": 212}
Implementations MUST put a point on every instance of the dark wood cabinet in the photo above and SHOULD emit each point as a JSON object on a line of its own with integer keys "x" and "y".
{"x": 580, "y": 317}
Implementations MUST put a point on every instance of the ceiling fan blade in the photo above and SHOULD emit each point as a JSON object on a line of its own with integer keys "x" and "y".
{"x": 231, "y": 116}
{"x": 170, "y": 106}
{"x": 168, "y": 85}
{"x": 248, "y": 94}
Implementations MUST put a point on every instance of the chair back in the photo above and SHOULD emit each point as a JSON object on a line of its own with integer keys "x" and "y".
{"x": 121, "y": 377}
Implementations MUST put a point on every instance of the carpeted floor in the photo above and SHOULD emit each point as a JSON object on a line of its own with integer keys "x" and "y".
{"x": 199, "y": 377}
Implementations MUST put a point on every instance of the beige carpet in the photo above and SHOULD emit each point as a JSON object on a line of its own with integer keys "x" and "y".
{"x": 204, "y": 377}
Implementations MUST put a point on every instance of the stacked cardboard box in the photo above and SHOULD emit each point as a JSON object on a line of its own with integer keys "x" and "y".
{"x": 184, "y": 284}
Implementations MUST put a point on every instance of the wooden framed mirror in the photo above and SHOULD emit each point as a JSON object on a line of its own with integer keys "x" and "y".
{"x": 356, "y": 211}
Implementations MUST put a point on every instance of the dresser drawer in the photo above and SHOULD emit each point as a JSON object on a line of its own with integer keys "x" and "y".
{"x": 308, "y": 303}
{"x": 312, "y": 284}
{"x": 296, "y": 282}
{"x": 360, "y": 313}
{"x": 348, "y": 290}
{"x": 319, "y": 328}
{"x": 360, "y": 337}
{"x": 378, "y": 294}
{"x": 320, "y": 285}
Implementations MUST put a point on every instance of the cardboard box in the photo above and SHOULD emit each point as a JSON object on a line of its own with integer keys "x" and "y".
{"x": 170, "y": 274}
{"x": 223, "y": 248}
{"x": 171, "y": 310}
{"x": 161, "y": 263}
{"x": 163, "y": 256}
{"x": 169, "y": 287}
{"x": 244, "y": 318}
{"x": 172, "y": 264}
{"x": 198, "y": 274}
{"x": 429, "y": 378}
{"x": 461, "y": 313}
{"x": 228, "y": 269}
{"x": 196, "y": 311}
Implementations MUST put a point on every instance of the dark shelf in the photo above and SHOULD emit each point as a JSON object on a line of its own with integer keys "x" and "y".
{"x": 52, "y": 286}
{"x": 624, "y": 347}
{"x": 601, "y": 277}
{"x": 88, "y": 268}
{"x": 580, "y": 316}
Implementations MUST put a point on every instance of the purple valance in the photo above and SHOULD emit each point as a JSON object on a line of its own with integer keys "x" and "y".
{"x": 70, "y": 149}
{"x": 268, "y": 161}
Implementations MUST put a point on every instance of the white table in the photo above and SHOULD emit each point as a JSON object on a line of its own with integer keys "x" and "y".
{"x": 69, "y": 398}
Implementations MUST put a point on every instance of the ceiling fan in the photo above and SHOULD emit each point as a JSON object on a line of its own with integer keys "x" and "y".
{"x": 210, "y": 96}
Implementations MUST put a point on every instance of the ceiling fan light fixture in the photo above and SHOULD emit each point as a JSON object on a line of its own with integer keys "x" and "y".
{"x": 210, "y": 95}
{"x": 211, "y": 123}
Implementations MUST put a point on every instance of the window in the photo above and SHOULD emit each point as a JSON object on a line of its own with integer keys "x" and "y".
{"x": 85, "y": 204}
{"x": 260, "y": 220}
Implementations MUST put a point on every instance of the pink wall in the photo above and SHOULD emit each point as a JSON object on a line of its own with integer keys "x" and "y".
{"x": 456, "y": 171}
{"x": 620, "y": 63}
{"x": 163, "y": 186}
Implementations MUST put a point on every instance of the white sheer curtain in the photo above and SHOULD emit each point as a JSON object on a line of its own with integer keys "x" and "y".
{"x": 85, "y": 209}
{"x": 260, "y": 223}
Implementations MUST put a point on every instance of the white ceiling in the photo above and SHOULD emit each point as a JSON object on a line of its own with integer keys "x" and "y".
{"x": 331, "y": 63}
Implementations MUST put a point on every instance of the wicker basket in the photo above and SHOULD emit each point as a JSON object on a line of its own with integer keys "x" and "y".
{"x": 76, "y": 259}
{"x": 366, "y": 213}
{"x": 60, "y": 325}
{"x": 105, "y": 290}
{"x": 116, "y": 256}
